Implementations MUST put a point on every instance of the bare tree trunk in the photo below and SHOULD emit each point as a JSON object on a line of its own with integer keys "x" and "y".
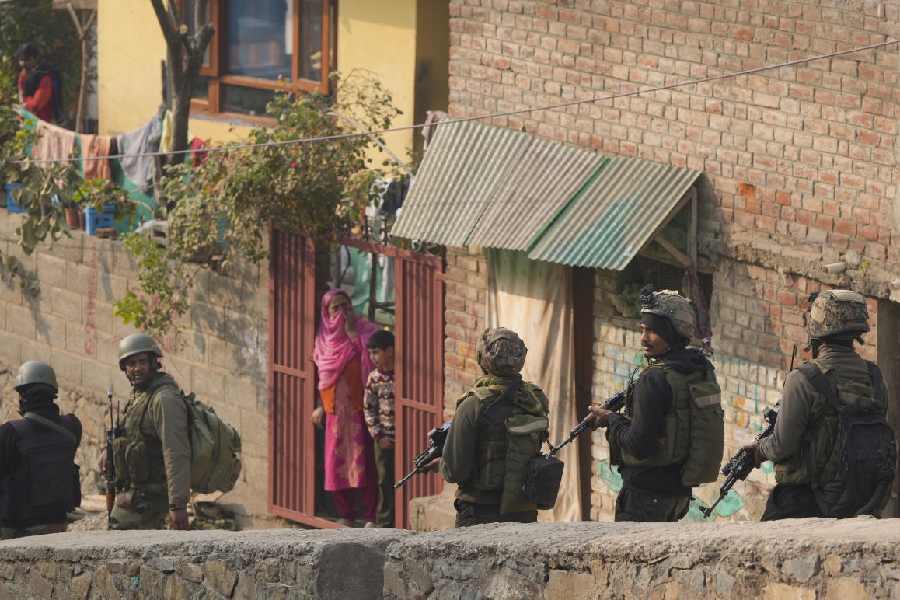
{"x": 184, "y": 57}
{"x": 83, "y": 29}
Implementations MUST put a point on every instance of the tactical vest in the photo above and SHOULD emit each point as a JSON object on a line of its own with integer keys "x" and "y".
{"x": 512, "y": 426}
{"x": 693, "y": 434}
{"x": 138, "y": 453}
{"x": 45, "y": 484}
{"x": 814, "y": 458}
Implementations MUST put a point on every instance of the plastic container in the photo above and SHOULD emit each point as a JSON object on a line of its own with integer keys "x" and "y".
{"x": 11, "y": 204}
{"x": 94, "y": 220}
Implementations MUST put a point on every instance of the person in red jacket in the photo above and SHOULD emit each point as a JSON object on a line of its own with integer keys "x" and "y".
{"x": 36, "y": 87}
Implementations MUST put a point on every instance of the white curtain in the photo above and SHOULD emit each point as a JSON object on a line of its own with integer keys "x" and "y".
{"x": 534, "y": 299}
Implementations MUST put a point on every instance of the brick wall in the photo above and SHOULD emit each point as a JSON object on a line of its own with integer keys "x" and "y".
{"x": 801, "y": 156}
{"x": 220, "y": 352}
{"x": 465, "y": 297}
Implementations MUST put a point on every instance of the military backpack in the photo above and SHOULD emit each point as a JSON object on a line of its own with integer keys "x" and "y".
{"x": 857, "y": 474}
{"x": 215, "y": 448}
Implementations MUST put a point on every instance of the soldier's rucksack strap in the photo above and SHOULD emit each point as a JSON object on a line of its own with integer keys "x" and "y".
{"x": 821, "y": 383}
{"x": 877, "y": 387}
{"x": 36, "y": 418}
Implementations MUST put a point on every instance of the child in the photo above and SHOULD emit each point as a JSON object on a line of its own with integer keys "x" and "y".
{"x": 379, "y": 406}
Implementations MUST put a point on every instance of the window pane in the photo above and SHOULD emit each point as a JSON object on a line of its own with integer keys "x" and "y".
{"x": 200, "y": 89}
{"x": 245, "y": 100}
{"x": 259, "y": 39}
{"x": 311, "y": 40}
{"x": 193, "y": 23}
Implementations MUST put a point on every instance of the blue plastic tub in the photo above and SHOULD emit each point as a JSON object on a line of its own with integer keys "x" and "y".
{"x": 94, "y": 220}
{"x": 11, "y": 204}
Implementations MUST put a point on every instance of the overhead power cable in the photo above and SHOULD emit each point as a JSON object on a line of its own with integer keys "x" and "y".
{"x": 484, "y": 117}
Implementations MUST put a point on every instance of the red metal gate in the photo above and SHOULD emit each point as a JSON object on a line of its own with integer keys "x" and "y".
{"x": 420, "y": 369}
{"x": 292, "y": 326}
{"x": 420, "y": 372}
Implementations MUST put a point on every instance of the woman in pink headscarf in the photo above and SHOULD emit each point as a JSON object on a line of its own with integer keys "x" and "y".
{"x": 343, "y": 364}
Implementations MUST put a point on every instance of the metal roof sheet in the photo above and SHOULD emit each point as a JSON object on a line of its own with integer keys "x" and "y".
{"x": 539, "y": 185}
{"x": 463, "y": 168}
{"x": 615, "y": 214}
{"x": 500, "y": 188}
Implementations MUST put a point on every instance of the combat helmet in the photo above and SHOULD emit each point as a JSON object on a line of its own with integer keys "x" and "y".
{"x": 837, "y": 312}
{"x": 36, "y": 372}
{"x": 500, "y": 352}
{"x": 672, "y": 306}
{"x": 137, "y": 343}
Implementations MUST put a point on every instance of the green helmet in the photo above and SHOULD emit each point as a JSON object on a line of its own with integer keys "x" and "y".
{"x": 500, "y": 352}
{"x": 137, "y": 343}
{"x": 672, "y": 306}
{"x": 35, "y": 371}
{"x": 836, "y": 312}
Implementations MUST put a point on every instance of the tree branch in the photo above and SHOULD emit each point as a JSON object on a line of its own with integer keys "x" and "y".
{"x": 166, "y": 22}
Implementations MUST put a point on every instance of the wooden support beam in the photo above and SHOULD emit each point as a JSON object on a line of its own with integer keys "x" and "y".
{"x": 677, "y": 254}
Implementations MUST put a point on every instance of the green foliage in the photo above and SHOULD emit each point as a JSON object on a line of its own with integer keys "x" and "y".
{"x": 165, "y": 284}
{"x": 224, "y": 208}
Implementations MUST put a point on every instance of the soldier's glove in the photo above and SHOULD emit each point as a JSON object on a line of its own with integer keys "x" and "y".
{"x": 755, "y": 455}
{"x": 601, "y": 416}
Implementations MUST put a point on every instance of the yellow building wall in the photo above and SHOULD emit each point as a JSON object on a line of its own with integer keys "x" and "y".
{"x": 373, "y": 35}
{"x": 379, "y": 36}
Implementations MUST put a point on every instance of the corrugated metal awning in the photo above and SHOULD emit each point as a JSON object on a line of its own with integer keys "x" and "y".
{"x": 463, "y": 169}
{"x": 615, "y": 215}
{"x": 494, "y": 187}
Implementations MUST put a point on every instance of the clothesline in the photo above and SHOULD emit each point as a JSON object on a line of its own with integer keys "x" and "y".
{"x": 595, "y": 99}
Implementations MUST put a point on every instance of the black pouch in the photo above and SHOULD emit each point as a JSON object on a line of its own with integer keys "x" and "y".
{"x": 542, "y": 479}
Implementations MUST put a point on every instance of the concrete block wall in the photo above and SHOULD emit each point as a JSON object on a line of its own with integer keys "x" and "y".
{"x": 803, "y": 156}
{"x": 219, "y": 352}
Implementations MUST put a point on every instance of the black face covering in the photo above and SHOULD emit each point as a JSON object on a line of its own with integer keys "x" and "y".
{"x": 36, "y": 397}
{"x": 664, "y": 329}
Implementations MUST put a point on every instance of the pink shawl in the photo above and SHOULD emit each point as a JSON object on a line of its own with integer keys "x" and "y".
{"x": 334, "y": 348}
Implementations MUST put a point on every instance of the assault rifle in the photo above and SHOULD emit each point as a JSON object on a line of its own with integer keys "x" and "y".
{"x": 111, "y": 435}
{"x": 436, "y": 439}
{"x": 741, "y": 464}
{"x": 614, "y": 404}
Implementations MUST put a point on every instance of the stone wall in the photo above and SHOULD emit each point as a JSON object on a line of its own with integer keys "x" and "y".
{"x": 801, "y": 160}
{"x": 795, "y": 559}
{"x": 274, "y": 564}
{"x": 219, "y": 352}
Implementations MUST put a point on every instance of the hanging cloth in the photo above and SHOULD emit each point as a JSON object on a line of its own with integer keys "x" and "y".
{"x": 96, "y": 149}
{"x": 133, "y": 145}
{"x": 52, "y": 143}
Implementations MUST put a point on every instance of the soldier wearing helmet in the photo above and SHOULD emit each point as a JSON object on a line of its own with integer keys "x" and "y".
{"x": 659, "y": 440}
{"x": 153, "y": 453}
{"x": 823, "y": 402}
{"x": 39, "y": 481}
{"x": 499, "y": 425}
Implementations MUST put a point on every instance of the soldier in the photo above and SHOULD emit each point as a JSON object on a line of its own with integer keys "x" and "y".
{"x": 153, "y": 452}
{"x": 486, "y": 450}
{"x": 833, "y": 451}
{"x": 671, "y": 436}
{"x": 39, "y": 480}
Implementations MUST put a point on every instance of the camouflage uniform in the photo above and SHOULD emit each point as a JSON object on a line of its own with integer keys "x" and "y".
{"x": 806, "y": 429}
{"x": 476, "y": 450}
{"x": 153, "y": 453}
